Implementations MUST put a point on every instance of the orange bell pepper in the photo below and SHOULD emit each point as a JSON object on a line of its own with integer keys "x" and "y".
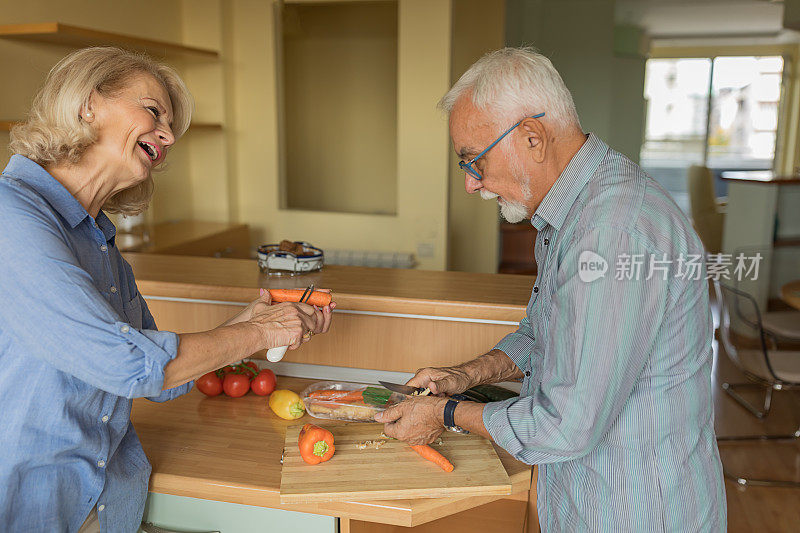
{"x": 316, "y": 444}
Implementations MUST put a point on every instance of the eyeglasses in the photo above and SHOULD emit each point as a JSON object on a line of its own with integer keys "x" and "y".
{"x": 469, "y": 169}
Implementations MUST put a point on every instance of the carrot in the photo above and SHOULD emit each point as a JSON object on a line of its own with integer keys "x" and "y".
{"x": 320, "y": 299}
{"x": 433, "y": 456}
{"x": 337, "y": 395}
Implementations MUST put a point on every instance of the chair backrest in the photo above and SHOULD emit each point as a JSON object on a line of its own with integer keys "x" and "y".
{"x": 702, "y": 198}
{"x": 742, "y": 333}
{"x": 708, "y": 221}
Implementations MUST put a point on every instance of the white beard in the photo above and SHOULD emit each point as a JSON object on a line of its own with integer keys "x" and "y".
{"x": 513, "y": 212}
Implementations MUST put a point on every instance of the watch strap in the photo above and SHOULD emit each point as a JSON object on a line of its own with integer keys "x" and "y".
{"x": 449, "y": 413}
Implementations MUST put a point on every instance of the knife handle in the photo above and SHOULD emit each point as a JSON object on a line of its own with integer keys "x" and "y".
{"x": 461, "y": 398}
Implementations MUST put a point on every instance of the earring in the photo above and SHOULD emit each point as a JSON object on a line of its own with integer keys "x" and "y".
{"x": 89, "y": 114}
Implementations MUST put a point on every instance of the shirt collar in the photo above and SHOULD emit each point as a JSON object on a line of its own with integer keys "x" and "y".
{"x": 559, "y": 199}
{"x": 36, "y": 177}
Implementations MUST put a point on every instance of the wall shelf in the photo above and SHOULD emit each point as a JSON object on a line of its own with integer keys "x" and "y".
{"x": 205, "y": 126}
{"x": 65, "y": 34}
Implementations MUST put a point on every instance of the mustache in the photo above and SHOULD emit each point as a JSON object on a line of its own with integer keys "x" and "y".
{"x": 486, "y": 195}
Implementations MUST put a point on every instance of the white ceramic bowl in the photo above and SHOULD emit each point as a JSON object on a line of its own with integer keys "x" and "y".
{"x": 274, "y": 261}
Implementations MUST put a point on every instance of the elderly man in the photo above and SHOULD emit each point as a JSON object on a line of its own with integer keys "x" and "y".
{"x": 615, "y": 351}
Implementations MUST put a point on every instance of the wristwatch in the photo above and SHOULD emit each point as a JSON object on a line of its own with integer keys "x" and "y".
{"x": 449, "y": 419}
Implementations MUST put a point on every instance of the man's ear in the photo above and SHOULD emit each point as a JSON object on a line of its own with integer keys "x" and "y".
{"x": 535, "y": 138}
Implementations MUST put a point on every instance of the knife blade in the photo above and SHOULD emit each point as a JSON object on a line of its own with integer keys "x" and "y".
{"x": 409, "y": 391}
{"x": 402, "y": 389}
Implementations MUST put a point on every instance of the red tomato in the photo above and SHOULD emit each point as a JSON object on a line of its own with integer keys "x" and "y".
{"x": 264, "y": 383}
{"x": 235, "y": 385}
{"x": 227, "y": 369}
{"x": 252, "y": 365}
{"x": 209, "y": 384}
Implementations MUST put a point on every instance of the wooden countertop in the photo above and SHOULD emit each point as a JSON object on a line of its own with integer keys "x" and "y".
{"x": 759, "y": 176}
{"x": 452, "y": 294}
{"x": 161, "y": 238}
{"x": 229, "y": 449}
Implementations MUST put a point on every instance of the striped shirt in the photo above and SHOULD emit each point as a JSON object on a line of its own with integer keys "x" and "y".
{"x": 615, "y": 406}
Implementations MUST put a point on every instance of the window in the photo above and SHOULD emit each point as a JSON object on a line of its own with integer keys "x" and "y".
{"x": 719, "y": 112}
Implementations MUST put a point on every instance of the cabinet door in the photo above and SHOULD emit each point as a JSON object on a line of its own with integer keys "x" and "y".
{"x": 184, "y": 514}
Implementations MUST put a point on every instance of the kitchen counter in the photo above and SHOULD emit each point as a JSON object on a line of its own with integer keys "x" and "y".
{"x": 229, "y": 450}
{"x": 385, "y": 319}
{"x": 456, "y": 294}
{"x": 188, "y": 237}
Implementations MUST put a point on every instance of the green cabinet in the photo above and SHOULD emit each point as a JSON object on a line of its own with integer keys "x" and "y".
{"x": 184, "y": 514}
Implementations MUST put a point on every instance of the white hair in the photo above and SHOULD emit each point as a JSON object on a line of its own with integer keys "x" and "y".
{"x": 515, "y": 82}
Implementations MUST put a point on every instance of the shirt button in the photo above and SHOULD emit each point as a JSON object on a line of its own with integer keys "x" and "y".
{"x": 125, "y": 329}
{"x": 536, "y": 289}
{"x": 113, "y": 289}
{"x": 528, "y": 373}
{"x": 95, "y": 224}
{"x": 105, "y": 418}
{"x": 103, "y": 248}
{"x": 100, "y": 508}
{"x": 547, "y": 242}
{"x": 101, "y": 463}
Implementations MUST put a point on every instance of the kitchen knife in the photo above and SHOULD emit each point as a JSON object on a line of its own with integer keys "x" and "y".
{"x": 409, "y": 391}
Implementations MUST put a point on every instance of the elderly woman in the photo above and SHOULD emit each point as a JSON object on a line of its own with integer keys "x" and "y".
{"x": 77, "y": 341}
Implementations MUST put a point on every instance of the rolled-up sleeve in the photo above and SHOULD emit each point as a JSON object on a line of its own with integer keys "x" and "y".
{"x": 149, "y": 323}
{"x": 53, "y": 310}
{"x": 519, "y": 344}
{"x": 599, "y": 337}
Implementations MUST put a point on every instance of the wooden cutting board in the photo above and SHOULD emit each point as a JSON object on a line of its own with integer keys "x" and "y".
{"x": 393, "y": 471}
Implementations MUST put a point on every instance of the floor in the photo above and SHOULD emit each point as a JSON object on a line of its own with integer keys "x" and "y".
{"x": 762, "y": 509}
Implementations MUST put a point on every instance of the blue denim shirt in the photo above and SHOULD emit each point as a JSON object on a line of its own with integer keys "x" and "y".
{"x": 77, "y": 343}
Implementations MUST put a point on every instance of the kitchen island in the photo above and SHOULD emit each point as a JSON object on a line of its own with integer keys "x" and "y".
{"x": 226, "y": 452}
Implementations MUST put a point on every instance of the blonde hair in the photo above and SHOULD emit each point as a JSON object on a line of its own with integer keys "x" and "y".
{"x": 54, "y": 132}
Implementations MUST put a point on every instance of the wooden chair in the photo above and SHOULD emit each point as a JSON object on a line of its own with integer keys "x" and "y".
{"x": 708, "y": 215}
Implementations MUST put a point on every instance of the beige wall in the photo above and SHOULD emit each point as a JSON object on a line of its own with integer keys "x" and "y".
{"x": 473, "y": 230}
{"x": 26, "y": 64}
{"x": 340, "y": 107}
{"x": 422, "y": 148}
{"x": 233, "y": 173}
{"x": 578, "y": 37}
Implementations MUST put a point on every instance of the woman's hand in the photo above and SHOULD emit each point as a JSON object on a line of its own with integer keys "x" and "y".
{"x": 247, "y": 312}
{"x": 290, "y": 324}
{"x": 442, "y": 381}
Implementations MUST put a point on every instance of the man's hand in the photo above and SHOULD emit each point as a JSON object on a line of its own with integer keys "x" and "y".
{"x": 417, "y": 420}
{"x": 442, "y": 381}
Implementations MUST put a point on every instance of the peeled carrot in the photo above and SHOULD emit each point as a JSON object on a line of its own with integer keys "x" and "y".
{"x": 433, "y": 456}
{"x": 320, "y": 299}
{"x": 337, "y": 395}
